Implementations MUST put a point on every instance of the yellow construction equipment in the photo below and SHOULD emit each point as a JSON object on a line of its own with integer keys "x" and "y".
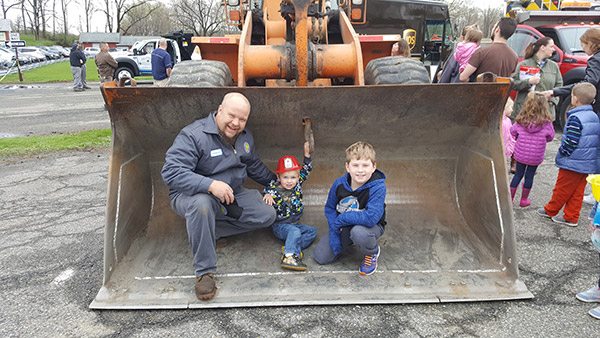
{"x": 450, "y": 234}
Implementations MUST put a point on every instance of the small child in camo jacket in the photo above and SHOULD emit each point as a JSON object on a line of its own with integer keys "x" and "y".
{"x": 285, "y": 194}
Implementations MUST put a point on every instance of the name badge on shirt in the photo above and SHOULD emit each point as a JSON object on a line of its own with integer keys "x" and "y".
{"x": 216, "y": 152}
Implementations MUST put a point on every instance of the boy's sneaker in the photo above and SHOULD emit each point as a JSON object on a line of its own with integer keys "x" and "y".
{"x": 590, "y": 296}
{"x": 301, "y": 253}
{"x": 292, "y": 262}
{"x": 595, "y": 312}
{"x": 562, "y": 220}
{"x": 542, "y": 212}
{"x": 369, "y": 264}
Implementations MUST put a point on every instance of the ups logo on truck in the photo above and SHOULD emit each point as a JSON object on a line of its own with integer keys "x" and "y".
{"x": 410, "y": 35}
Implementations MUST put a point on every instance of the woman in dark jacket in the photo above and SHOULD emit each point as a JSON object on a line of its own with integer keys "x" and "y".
{"x": 590, "y": 43}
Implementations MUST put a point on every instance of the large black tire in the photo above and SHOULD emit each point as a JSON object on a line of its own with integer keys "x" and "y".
{"x": 395, "y": 70}
{"x": 200, "y": 73}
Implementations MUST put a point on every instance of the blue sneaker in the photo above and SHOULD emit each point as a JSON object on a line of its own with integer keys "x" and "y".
{"x": 595, "y": 312}
{"x": 590, "y": 296}
{"x": 369, "y": 264}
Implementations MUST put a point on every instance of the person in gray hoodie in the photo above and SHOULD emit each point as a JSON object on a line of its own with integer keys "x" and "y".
{"x": 204, "y": 170}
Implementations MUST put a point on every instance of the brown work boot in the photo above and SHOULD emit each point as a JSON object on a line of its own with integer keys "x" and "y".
{"x": 205, "y": 286}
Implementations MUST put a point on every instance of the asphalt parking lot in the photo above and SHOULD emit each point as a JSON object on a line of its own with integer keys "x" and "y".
{"x": 52, "y": 216}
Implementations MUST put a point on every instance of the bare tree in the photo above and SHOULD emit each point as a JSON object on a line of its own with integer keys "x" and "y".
{"x": 64, "y": 6}
{"x": 34, "y": 14}
{"x": 7, "y": 5}
{"x": 203, "y": 17}
{"x": 116, "y": 10}
{"x": 107, "y": 10}
{"x": 89, "y": 8}
{"x": 489, "y": 17}
{"x": 148, "y": 19}
{"x": 23, "y": 15}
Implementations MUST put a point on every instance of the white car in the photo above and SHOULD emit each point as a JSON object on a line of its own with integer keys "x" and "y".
{"x": 91, "y": 52}
{"x": 7, "y": 57}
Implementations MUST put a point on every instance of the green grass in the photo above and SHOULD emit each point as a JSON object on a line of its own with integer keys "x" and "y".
{"x": 58, "y": 72}
{"x": 43, "y": 144}
{"x": 31, "y": 41}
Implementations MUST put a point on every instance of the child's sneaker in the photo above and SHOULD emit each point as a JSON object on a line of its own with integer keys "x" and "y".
{"x": 562, "y": 220}
{"x": 301, "y": 253}
{"x": 369, "y": 264}
{"x": 590, "y": 296}
{"x": 542, "y": 212}
{"x": 292, "y": 262}
{"x": 595, "y": 312}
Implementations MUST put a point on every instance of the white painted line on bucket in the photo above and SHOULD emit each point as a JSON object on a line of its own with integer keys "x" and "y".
{"x": 63, "y": 276}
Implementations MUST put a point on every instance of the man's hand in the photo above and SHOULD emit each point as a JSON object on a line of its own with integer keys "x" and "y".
{"x": 222, "y": 191}
{"x": 268, "y": 199}
{"x": 306, "y": 149}
{"x": 548, "y": 94}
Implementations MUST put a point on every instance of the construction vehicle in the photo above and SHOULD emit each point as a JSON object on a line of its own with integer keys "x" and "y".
{"x": 564, "y": 22}
{"x": 450, "y": 234}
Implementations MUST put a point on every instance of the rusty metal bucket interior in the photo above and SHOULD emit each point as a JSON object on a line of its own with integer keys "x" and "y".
{"x": 449, "y": 236}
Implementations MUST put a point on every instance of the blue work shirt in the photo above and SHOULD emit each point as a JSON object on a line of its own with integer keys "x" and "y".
{"x": 161, "y": 60}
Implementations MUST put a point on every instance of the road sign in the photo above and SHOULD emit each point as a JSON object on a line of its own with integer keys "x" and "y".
{"x": 15, "y": 36}
{"x": 15, "y": 43}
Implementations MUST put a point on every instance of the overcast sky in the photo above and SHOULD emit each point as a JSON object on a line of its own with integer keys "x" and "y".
{"x": 99, "y": 19}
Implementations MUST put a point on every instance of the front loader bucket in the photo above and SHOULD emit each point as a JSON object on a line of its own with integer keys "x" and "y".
{"x": 449, "y": 236}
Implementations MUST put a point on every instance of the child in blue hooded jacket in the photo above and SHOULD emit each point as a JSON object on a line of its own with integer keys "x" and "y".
{"x": 355, "y": 210}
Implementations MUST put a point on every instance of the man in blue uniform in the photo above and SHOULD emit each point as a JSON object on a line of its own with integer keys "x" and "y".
{"x": 204, "y": 170}
{"x": 161, "y": 64}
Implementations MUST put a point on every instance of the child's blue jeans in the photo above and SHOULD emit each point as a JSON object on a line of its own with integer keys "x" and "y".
{"x": 297, "y": 237}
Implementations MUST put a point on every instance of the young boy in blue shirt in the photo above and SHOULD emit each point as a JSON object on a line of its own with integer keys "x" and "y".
{"x": 285, "y": 194}
{"x": 355, "y": 210}
{"x": 593, "y": 294}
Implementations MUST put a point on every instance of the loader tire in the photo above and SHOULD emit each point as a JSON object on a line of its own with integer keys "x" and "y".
{"x": 200, "y": 73}
{"x": 395, "y": 70}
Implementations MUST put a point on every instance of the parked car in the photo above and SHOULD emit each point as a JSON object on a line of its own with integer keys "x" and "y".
{"x": 91, "y": 52}
{"x": 36, "y": 53}
{"x": 65, "y": 52}
{"x": 7, "y": 56}
{"x": 54, "y": 54}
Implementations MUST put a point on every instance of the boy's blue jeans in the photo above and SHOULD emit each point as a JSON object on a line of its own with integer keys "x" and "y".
{"x": 297, "y": 237}
{"x": 364, "y": 237}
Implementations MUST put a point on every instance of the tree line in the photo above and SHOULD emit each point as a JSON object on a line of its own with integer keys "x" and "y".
{"x": 44, "y": 18}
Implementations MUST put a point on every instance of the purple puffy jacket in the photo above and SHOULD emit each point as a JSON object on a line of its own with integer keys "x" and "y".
{"x": 531, "y": 142}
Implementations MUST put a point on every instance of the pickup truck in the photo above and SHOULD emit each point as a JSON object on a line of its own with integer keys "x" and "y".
{"x": 139, "y": 61}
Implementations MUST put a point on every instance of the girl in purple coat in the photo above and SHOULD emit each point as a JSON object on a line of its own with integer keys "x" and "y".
{"x": 532, "y": 129}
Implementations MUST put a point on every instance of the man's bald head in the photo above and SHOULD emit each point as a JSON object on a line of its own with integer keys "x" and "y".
{"x": 235, "y": 98}
{"x": 232, "y": 115}
{"x": 162, "y": 43}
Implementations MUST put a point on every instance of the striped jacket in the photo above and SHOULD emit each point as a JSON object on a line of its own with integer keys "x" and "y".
{"x": 579, "y": 150}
